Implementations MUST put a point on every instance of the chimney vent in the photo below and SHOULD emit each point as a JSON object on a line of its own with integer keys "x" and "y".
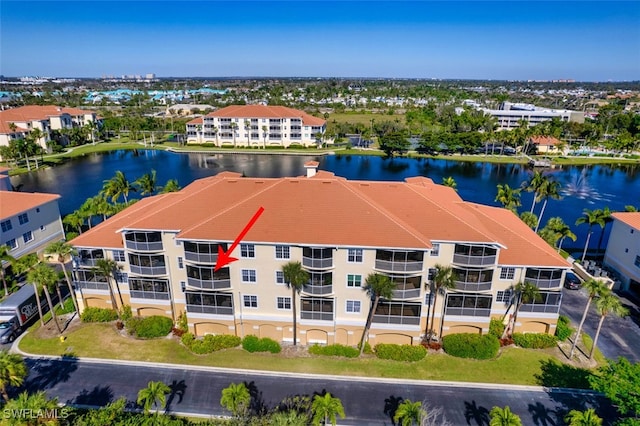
{"x": 312, "y": 168}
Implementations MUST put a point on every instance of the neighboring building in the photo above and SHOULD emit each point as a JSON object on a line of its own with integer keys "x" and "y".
{"x": 341, "y": 231}
{"x": 29, "y": 221}
{"x": 510, "y": 114}
{"x": 16, "y": 123}
{"x": 546, "y": 144}
{"x": 623, "y": 250}
{"x": 256, "y": 125}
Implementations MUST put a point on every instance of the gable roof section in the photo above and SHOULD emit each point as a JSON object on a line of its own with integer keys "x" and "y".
{"x": 544, "y": 140}
{"x": 264, "y": 111}
{"x": 13, "y": 203}
{"x": 630, "y": 218}
{"x": 35, "y": 112}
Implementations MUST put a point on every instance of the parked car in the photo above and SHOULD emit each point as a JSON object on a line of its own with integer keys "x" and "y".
{"x": 572, "y": 282}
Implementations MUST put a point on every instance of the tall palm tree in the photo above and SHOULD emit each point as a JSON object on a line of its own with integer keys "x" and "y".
{"x": 377, "y": 286}
{"x": 326, "y": 408}
{"x": 214, "y": 130}
{"x": 443, "y": 280}
{"x": 34, "y": 138}
{"x": 63, "y": 251}
{"x": 508, "y": 197}
{"x": 153, "y": 395}
{"x": 5, "y": 257}
{"x": 561, "y": 230}
{"x": 583, "y": 418}
{"x": 26, "y": 264}
{"x": 13, "y": 371}
{"x": 118, "y": 186}
{"x": 106, "y": 268}
{"x": 450, "y": 182}
{"x": 42, "y": 276}
{"x": 234, "y": 127}
{"x": 247, "y": 128}
{"x": 74, "y": 220}
{"x": 606, "y": 219}
{"x": 551, "y": 189}
{"x": 590, "y": 217}
{"x": 172, "y": 185}
{"x": 295, "y": 277}
{"x": 524, "y": 293}
{"x": 594, "y": 288}
{"x": 236, "y": 398}
{"x": 409, "y": 413}
{"x": 147, "y": 183}
{"x": 607, "y": 304}
{"x": 265, "y": 133}
{"x": 503, "y": 417}
{"x": 534, "y": 184}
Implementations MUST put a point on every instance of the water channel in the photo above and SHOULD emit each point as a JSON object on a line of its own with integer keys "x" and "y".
{"x": 582, "y": 186}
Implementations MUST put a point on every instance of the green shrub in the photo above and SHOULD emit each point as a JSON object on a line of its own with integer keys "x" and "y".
{"x": 335, "y": 350}
{"x": 149, "y": 327}
{"x": 496, "y": 327}
{"x": 563, "y": 329}
{"x": 98, "y": 315}
{"x": 187, "y": 339}
{"x": 209, "y": 343}
{"x": 253, "y": 344}
{"x": 471, "y": 345}
{"x": 400, "y": 352}
{"x": 125, "y": 313}
{"x": 534, "y": 340}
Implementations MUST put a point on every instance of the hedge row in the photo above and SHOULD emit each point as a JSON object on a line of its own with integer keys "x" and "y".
{"x": 149, "y": 327}
{"x": 254, "y": 344}
{"x": 334, "y": 350}
{"x": 496, "y": 327}
{"x": 563, "y": 330}
{"x": 98, "y": 315}
{"x": 400, "y": 352}
{"x": 209, "y": 343}
{"x": 534, "y": 340}
{"x": 470, "y": 345}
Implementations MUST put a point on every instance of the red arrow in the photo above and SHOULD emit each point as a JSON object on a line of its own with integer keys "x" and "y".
{"x": 223, "y": 257}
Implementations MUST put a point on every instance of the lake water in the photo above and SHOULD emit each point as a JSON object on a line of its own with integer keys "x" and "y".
{"x": 583, "y": 186}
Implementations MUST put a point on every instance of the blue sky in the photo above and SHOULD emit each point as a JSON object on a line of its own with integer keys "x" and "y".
{"x": 518, "y": 40}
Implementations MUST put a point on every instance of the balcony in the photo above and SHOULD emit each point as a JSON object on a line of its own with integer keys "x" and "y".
{"x": 92, "y": 285}
{"x": 470, "y": 260}
{"x": 149, "y": 295}
{"x": 545, "y": 283}
{"x": 209, "y": 284}
{"x": 321, "y": 316}
{"x": 316, "y": 263}
{"x": 88, "y": 262}
{"x": 406, "y": 293}
{"x": 317, "y": 289}
{"x": 473, "y": 286}
{"x": 201, "y": 257}
{"x": 470, "y": 312}
{"x": 144, "y": 246}
{"x": 544, "y": 278}
{"x": 215, "y": 310}
{"x": 400, "y": 320}
{"x": 395, "y": 266}
{"x": 148, "y": 270}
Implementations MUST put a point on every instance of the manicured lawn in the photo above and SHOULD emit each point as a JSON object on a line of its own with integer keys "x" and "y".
{"x": 513, "y": 365}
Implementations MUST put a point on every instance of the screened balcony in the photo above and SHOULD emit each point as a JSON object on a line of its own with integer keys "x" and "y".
{"x": 471, "y": 255}
{"x": 473, "y": 305}
{"x": 147, "y": 264}
{"x": 399, "y": 261}
{"x": 209, "y": 303}
{"x": 472, "y": 280}
{"x": 546, "y": 302}
{"x": 544, "y": 278}
{"x": 317, "y": 258}
{"x": 149, "y": 289}
{"x": 313, "y": 308}
{"x": 143, "y": 241}
{"x": 401, "y": 313}
{"x": 89, "y": 258}
{"x": 206, "y": 279}
{"x": 320, "y": 283}
{"x": 202, "y": 252}
{"x": 406, "y": 287}
{"x": 89, "y": 280}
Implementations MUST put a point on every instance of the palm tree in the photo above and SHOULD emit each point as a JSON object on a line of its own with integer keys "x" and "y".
{"x": 326, "y": 409}
{"x": 606, "y": 304}
{"x": 33, "y": 142}
{"x": 13, "y": 371}
{"x": 147, "y": 183}
{"x": 377, "y": 286}
{"x": 26, "y": 264}
{"x": 295, "y": 277}
{"x": 561, "y": 229}
{"x": 595, "y": 288}
{"x": 43, "y": 276}
{"x": 63, "y": 251}
{"x": 172, "y": 185}
{"x": 525, "y": 293}
{"x": 265, "y": 133}
{"x": 606, "y": 219}
{"x": 106, "y": 268}
{"x": 153, "y": 395}
{"x": 32, "y": 403}
{"x": 534, "y": 184}
{"x": 444, "y": 279}
{"x": 530, "y": 219}
{"x": 247, "y": 128}
{"x": 583, "y": 418}
{"x": 551, "y": 189}
{"x": 508, "y": 197}
{"x": 409, "y": 413}
{"x": 74, "y": 220}
{"x": 236, "y": 398}
{"x": 214, "y": 130}
{"x": 590, "y": 217}
{"x": 234, "y": 127}
{"x": 450, "y": 182}
{"x": 118, "y": 186}
{"x": 503, "y": 417}
{"x": 5, "y": 257}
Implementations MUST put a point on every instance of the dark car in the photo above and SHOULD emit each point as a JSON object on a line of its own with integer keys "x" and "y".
{"x": 572, "y": 282}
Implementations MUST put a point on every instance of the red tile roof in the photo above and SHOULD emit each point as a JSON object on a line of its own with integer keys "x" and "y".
{"x": 13, "y": 203}
{"x": 34, "y": 112}
{"x": 544, "y": 140}
{"x": 197, "y": 120}
{"x": 264, "y": 111}
{"x": 630, "y": 218}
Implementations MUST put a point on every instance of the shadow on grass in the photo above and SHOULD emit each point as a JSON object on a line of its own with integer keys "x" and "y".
{"x": 555, "y": 374}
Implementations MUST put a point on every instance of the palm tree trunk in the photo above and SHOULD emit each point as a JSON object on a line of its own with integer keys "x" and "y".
{"x": 586, "y": 246}
{"x": 113, "y": 297}
{"x": 293, "y": 305}
{"x": 365, "y": 332}
{"x": 71, "y": 292}
{"x": 4, "y": 282}
{"x": 544, "y": 206}
{"x": 560, "y": 244}
{"x": 433, "y": 313}
{"x": 600, "y": 239}
{"x": 595, "y": 339}
{"x": 52, "y": 308}
{"x": 515, "y": 314}
{"x": 584, "y": 317}
{"x": 533, "y": 204}
{"x": 35, "y": 287}
{"x": 59, "y": 296}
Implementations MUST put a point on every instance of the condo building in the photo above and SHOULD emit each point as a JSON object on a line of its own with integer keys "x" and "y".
{"x": 341, "y": 231}
{"x": 509, "y": 115}
{"x": 256, "y": 126}
{"x": 623, "y": 250}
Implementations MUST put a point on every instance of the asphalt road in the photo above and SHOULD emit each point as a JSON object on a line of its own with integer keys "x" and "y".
{"x": 619, "y": 336}
{"x": 366, "y": 401}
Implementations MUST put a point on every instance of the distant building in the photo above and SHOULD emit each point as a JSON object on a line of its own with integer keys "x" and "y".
{"x": 256, "y": 125}
{"x": 509, "y": 115}
{"x": 623, "y": 250}
{"x": 546, "y": 144}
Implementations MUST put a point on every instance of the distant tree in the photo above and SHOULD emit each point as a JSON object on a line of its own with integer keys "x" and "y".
{"x": 147, "y": 183}
{"x": 535, "y": 182}
{"x": 508, "y": 197}
{"x": 619, "y": 381}
{"x": 234, "y": 128}
{"x": 560, "y": 230}
{"x": 74, "y": 220}
{"x": 550, "y": 189}
{"x": 326, "y": 408}
{"x": 590, "y": 217}
{"x": 118, "y": 186}
{"x": 171, "y": 186}
{"x": 606, "y": 219}
{"x": 450, "y": 182}
{"x": 394, "y": 143}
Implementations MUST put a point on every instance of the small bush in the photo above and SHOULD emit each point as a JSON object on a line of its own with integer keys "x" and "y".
{"x": 470, "y": 345}
{"x": 534, "y": 340}
{"x": 209, "y": 343}
{"x": 125, "y": 313}
{"x": 400, "y": 352}
{"x": 335, "y": 350}
{"x": 149, "y": 327}
{"x": 496, "y": 327}
{"x": 187, "y": 339}
{"x": 563, "y": 330}
{"x": 254, "y": 344}
{"x": 98, "y": 315}
{"x": 367, "y": 348}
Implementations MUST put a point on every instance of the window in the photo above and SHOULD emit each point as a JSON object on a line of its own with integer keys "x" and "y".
{"x": 353, "y": 306}
{"x": 637, "y": 262}
{"x": 280, "y": 277}
{"x": 354, "y": 280}
{"x": 282, "y": 252}
{"x": 428, "y": 299}
{"x": 250, "y": 301}
{"x": 503, "y": 296}
{"x": 23, "y": 218}
{"x": 6, "y": 225}
{"x": 248, "y": 275}
{"x": 118, "y": 255}
{"x": 122, "y": 277}
{"x": 12, "y": 244}
{"x": 435, "y": 250}
{"x": 247, "y": 251}
{"x": 42, "y": 228}
{"x": 180, "y": 263}
{"x": 37, "y": 209}
{"x": 283, "y": 303}
{"x": 507, "y": 273}
{"x": 355, "y": 255}
{"x": 27, "y": 236}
